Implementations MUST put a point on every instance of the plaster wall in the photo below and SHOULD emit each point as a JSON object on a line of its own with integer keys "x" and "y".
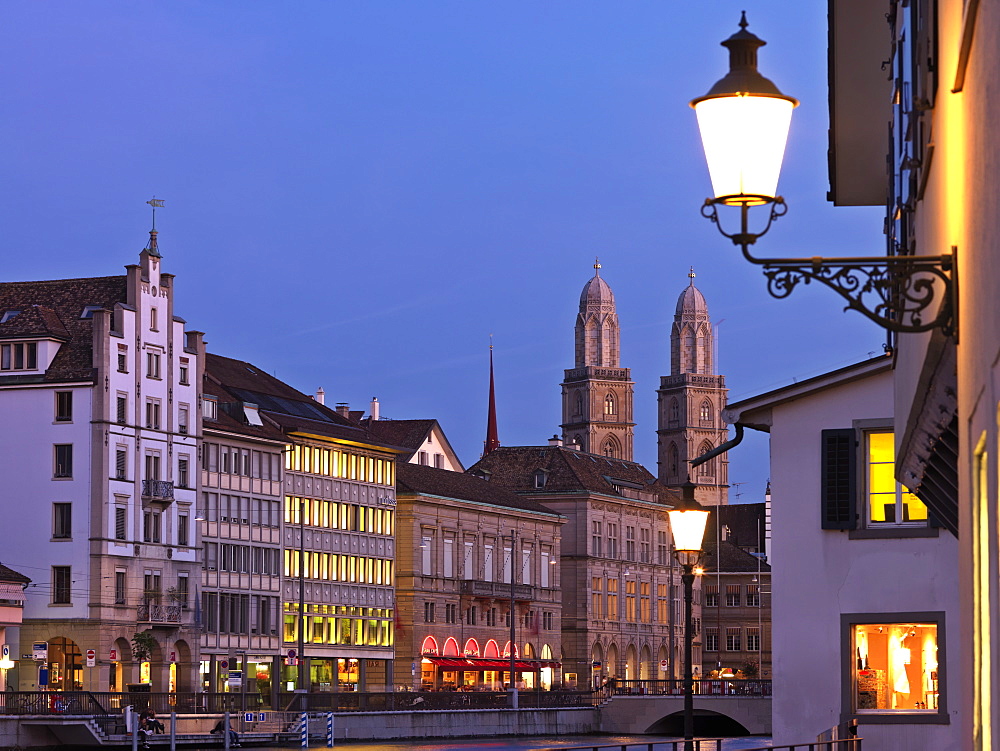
{"x": 824, "y": 574}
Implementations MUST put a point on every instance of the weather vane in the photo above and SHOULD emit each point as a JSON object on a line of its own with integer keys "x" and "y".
{"x": 156, "y": 203}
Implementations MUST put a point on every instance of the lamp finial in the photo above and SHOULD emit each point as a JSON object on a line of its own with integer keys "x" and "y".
{"x": 597, "y": 266}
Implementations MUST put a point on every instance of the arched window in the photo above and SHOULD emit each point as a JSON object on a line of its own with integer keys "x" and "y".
{"x": 506, "y": 650}
{"x": 708, "y": 468}
{"x": 472, "y": 648}
{"x": 578, "y": 404}
{"x": 674, "y": 411}
{"x": 491, "y": 649}
{"x": 609, "y": 405}
{"x": 673, "y": 461}
{"x": 706, "y": 410}
{"x": 611, "y": 449}
{"x": 429, "y": 647}
{"x": 450, "y": 647}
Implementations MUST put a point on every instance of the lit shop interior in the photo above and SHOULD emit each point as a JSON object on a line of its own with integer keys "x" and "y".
{"x": 485, "y": 668}
{"x": 897, "y": 667}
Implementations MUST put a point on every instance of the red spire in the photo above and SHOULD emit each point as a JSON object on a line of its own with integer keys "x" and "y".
{"x": 492, "y": 440}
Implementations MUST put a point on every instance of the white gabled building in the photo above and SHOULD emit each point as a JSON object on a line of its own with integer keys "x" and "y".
{"x": 865, "y": 607}
{"x": 98, "y": 399}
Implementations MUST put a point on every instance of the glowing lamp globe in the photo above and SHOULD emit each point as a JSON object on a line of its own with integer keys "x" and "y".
{"x": 688, "y": 528}
{"x": 744, "y": 122}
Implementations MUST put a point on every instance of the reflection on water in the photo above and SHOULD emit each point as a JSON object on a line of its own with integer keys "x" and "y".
{"x": 539, "y": 743}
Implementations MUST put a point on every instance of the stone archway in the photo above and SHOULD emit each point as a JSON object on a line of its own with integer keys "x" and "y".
{"x": 645, "y": 660}
{"x": 65, "y": 665}
{"x": 596, "y": 665}
{"x": 661, "y": 655}
{"x": 611, "y": 664}
{"x": 121, "y": 655}
{"x": 182, "y": 676}
{"x": 631, "y": 663}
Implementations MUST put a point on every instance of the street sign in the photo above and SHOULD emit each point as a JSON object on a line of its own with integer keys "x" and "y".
{"x": 113, "y": 655}
{"x": 43, "y": 676}
{"x": 663, "y": 665}
{"x": 235, "y": 679}
{"x": 40, "y": 650}
{"x": 292, "y": 654}
{"x": 248, "y": 717}
{"x": 173, "y": 656}
{"x": 91, "y": 658}
{"x": 261, "y": 717}
{"x": 224, "y": 664}
{"x": 291, "y": 661}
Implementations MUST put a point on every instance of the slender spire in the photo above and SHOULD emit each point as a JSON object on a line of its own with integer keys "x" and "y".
{"x": 151, "y": 248}
{"x": 492, "y": 440}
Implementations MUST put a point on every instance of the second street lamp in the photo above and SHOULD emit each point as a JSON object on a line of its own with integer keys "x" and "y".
{"x": 687, "y": 525}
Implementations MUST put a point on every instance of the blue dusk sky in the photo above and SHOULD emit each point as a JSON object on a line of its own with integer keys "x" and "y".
{"x": 359, "y": 193}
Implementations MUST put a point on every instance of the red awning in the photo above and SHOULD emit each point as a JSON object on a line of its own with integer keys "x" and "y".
{"x": 478, "y": 663}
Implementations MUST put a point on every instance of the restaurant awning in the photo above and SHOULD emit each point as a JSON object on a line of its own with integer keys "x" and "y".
{"x": 479, "y": 663}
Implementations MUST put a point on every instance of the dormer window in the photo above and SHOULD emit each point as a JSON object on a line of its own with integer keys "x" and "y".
{"x": 19, "y": 356}
{"x": 8, "y": 315}
{"x": 252, "y": 415}
{"x": 210, "y": 408}
{"x": 88, "y": 311}
{"x": 540, "y": 477}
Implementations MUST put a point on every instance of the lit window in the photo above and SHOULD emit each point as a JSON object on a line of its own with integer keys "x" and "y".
{"x": 888, "y": 501}
{"x": 894, "y": 665}
{"x": 706, "y": 411}
{"x": 609, "y": 405}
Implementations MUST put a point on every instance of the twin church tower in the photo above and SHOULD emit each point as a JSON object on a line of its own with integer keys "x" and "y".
{"x": 598, "y": 401}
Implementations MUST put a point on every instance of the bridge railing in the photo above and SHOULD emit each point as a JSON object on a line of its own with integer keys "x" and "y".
{"x": 716, "y": 744}
{"x": 702, "y": 687}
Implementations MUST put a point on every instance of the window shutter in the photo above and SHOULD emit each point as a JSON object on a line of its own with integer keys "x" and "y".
{"x": 838, "y": 484}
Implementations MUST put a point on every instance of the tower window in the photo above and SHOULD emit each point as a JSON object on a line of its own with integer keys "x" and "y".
{"x": 578, "y": 406}
{"x": 706, "y": 411}
{"x": 675, "y": 410}
{"x": 609, "y": 405}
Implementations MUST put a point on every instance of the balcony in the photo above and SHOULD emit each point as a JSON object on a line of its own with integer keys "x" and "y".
{"x": 158, "y": 490}
{"x": 162, "y": 614}
{"x": 497, "y": 590}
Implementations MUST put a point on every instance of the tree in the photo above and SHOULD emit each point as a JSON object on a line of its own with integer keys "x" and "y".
{"x": 143, "y": 644}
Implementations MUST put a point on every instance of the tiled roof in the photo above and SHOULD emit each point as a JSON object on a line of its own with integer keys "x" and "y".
{"x": 732, "y": 559}
{"x": 417, "y": 479}
{"x": 744, "y": 520}
{"x": 410, "y": 434}
{"x": 10, "y": 575}
{"x": 54, "y": 308}
{"x": 514, "y": 468}
{"x": 287, "y": 409}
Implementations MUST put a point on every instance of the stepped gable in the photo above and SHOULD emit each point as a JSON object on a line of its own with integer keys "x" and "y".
{"x": 514, "y": 467}
{"x": 54, "y": 309}
{"x": 421, "y": 479}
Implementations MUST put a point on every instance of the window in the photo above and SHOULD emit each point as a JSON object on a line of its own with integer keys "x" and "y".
{"x": 734, "y": 639}
{"x": 609, "y": 405}
{"x": 19, "y": 356}
{"x": 120, "y": 587}
{"x": 888, "y": 501}
{"x": 152, "y": 365}
{"x": 152, "y": 466}
{"x": 449, "y": 558}
{"x": 540, "y": 477}
{"x": 595, "y": 539}
{"x": 753, "y": 595}
{"x": 428, "y": 612}
{"x": 630, "y": 600}
{"x": 181, "y": 591}
{"x": 183, "y": 370}
{"x": 547, "y": 620}
{"x": 732, "y": 595}
{"x": 895, "y": 664}
{"x": 61, "y": 584}
{"x": 491, "y": 616}
{"x": 711, "y": 595}
{"x": 122, "y": 359}
{"x": 182, "y": 530}
{"x": 182, "y": 472}
{"x": 121, "y": 411}
{"x": 439, "y": 461}
{"x": 661, "y": 548}
{"x": 64, "y": 460}
{"x": 711, "y": 639}
{"x": 674, "y": 411}
{"x": 451, "y": 613}
{"x": 153, "y": 414}
{"x": 612, "y": 599}
{"x": 612, "y": 540}
{"x": 644, "y": 546}
{"x": 870, "y": 497}
{"x": 121, "y": 460}
{"x": 151, "y": 526}
{"x": 8, "y": 315}
{"x": 182, "y": 420}
{"x": 753, "y": 639}
{"x": 62, "y": 521}
{"x": 629, "y": 543}
{"x": 422, "y": 458}
{"x": 706, "y": 411}
{"x": 644, "y": 603}
{"x": 153, "y": 320}
{"x": 470, "y": 616}
{"x": 596, "y": 597}
{"x": 121, "y": 514}
{"x": 209, "y": 408}
{"x": 64, "y": 406}
{"x": 426, "y": 548}
{"x": 662, "y": 604}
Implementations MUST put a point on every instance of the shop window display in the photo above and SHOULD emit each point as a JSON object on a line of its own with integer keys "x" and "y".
{"x": 896, "y": 667}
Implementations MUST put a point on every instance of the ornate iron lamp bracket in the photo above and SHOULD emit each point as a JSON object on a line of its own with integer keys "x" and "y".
{"x": 896, "y": 292}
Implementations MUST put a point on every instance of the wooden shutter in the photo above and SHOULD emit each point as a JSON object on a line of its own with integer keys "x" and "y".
{"x": 838, "y": 484}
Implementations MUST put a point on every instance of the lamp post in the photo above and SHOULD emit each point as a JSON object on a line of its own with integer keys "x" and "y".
{"x": 744, "y": 120}
{"x": 687, "y": 525}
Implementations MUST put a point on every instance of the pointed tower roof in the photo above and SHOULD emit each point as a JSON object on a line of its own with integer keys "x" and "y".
{"x": 692, "y": 303}
{"x": 492, "y": 439}
{"x": 596, "y": 292}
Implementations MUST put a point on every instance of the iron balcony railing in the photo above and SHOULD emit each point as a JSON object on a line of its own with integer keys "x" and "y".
{"x": 158, "y": 490}
{"x": 153, "y": 613}
{"x": 703, "y": 687}
{"x": 500, "y": 590}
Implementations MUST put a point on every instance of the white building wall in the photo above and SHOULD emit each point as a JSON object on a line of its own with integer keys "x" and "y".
{"x": 825, "y": 574}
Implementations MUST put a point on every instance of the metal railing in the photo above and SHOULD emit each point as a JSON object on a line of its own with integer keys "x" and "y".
{"x": 715, "y": 744}
{"x": 159, "y": 489}
{"x": 113, "y": 702}
{"x": 153, "y": 613}
{"x": 479, "y": 588}
{"x": 405, "y": 701}
{"x": 702, "y": 687}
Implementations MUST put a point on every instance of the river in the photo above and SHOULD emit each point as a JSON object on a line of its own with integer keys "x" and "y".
{"x": 539, "y": 743}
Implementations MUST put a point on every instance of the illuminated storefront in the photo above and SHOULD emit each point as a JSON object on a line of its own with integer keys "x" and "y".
{"x": 896, "y": 667}
{"x": 486, "y": 669}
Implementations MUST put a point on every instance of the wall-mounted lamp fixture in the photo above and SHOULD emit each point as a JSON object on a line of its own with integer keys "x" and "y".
{"x": 744, "y": 122}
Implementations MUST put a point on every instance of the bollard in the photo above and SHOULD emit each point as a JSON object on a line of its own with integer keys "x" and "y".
{"x": 225, "y": 731}
{"x": 173, "y": 731}
{"x": 132, "y": 723}
{"x": 304, "y": 736}
{"x": 329, "y": 729}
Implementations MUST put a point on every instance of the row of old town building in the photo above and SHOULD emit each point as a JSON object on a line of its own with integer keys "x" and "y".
{"x": 197, "y": 524}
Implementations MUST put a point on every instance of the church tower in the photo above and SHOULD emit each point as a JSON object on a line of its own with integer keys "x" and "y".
{"x": 690, "y": 402}
{"x": 597, "y": 393}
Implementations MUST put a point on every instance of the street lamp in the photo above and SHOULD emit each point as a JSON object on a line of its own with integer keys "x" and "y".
{"x": 687, "y": 525}
{"x": 744, "y": 122}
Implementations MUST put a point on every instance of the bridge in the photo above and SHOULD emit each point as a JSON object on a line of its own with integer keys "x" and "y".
{"x": 721, "y": 707}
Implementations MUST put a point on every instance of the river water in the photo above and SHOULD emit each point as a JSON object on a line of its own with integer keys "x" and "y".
{"x": 540, "y": 743}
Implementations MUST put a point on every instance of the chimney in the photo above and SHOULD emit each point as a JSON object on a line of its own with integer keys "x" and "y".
{"x": 320, "y": 395}
{"x": 373, "y": 410}
{"x": 573, "y": 445}
{"x": 343, "y": 409}
{"x": 555, "y": 441}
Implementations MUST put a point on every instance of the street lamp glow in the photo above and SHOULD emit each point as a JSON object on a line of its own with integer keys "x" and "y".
{"x": 688, "y": 528}
{"x": 744, "y": 120}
